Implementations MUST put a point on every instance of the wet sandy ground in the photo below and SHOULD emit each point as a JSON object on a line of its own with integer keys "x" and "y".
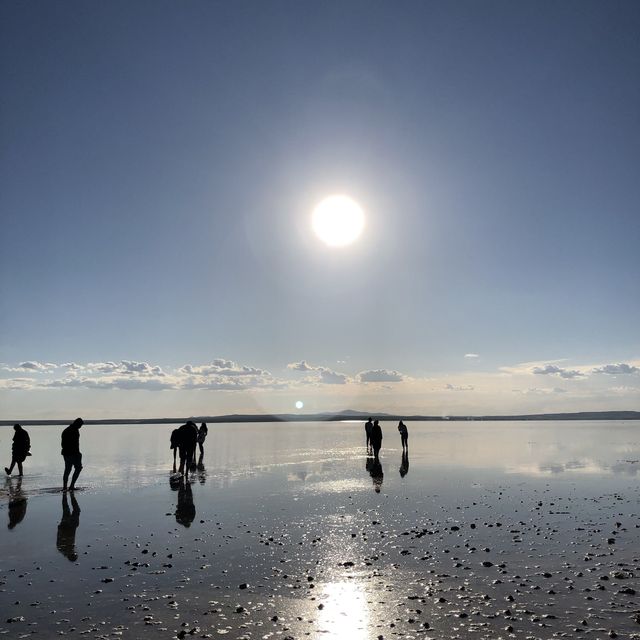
{"x": 307, "y": 548}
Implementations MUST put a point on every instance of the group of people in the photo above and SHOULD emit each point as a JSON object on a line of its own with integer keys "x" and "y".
{"x": 183, "y": 442}
{"x": 373, "y": 433}
{"x": 70, "y": 450}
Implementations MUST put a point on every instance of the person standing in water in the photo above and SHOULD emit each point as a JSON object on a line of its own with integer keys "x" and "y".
{"x": 404, "y": 435}
{"x": 19, "y": 449}
{"x": 202, "y": 435}
{"x": 70, "y": 442}
{"x": 376, "y": 438}
{"x": 367, "y": 430}
{"x": 187, "y": 440}
{"x": 175, "y": 440}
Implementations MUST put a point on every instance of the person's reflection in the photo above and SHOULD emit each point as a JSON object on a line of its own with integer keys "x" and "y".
{"x": 185, "y": 509}
{"x": 202, "y": 472}
{"x": 66, "y": 539}
{"x": 17, "y": 503}
{"x": 375, "y": 471}
{"x": 404, "y": 465}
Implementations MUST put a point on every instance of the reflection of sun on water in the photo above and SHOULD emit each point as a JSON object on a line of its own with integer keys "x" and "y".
{"x": 346, "y": 611}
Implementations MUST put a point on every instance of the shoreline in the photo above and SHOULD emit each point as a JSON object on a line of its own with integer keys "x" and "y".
{"x": 345, "y": 416}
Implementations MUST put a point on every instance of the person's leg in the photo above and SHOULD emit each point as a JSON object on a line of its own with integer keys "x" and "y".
{"x": 9, "y": 469}
{"x": 201, "y": 448}
{"x": 77, "y": 468}
{"x": 19, "y": 468}
{"x": 67, "y": 471}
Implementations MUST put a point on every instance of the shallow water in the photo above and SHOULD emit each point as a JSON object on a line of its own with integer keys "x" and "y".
{"x": 290, "y": 511}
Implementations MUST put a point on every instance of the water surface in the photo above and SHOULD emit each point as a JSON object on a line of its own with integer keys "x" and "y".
{"x": 508, "y": 529}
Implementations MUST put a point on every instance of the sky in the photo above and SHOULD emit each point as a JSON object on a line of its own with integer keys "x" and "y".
{"x": 159, "y": 163}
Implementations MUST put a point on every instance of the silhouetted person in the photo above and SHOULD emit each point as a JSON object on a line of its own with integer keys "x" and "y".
{"x": 368, "y": 425}
{"x": 175, "y": 439}
{"x": 376, "y": 438}
{"x": 404, "y": 434}
{"x": 187, "y": 439}
{"x": 376, "y": 474}
{"x": 404, "y": 465}
{"x": 19, "y": 449}
{"x": 66, "y": 538}
{"x": 202, "y": 435}
{"x": 185, "y": 509}
{"x": 70, "y": 441}
{"x": 17, "y": 503}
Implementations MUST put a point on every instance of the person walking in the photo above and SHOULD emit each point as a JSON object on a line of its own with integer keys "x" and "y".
{"x": 376, "y": 438}
{"x": 19, "y": 449}
{"x": 367, "y": 430}
{"x": 70, "y": 442}
{"x": 404, "y": 435}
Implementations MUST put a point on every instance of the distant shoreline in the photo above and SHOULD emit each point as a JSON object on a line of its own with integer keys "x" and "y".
{"x": 342, "y": 416}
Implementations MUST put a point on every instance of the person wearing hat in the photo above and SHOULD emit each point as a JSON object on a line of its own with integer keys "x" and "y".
{"x": 19, "y": 449}
{"x": 70, "y": 442}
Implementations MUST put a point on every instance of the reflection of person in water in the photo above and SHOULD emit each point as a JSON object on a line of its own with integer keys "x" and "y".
{"x": 185, "y": 509}
{"x": 66, "y": 539}
{"x": 375, "y": 471}
{"x": 404, "y": 465}
{"x": 376, "y": 438}
{"x": 19, "y": 449}
{"x": 17, "y": 503}
{"x": 202, "y": 472}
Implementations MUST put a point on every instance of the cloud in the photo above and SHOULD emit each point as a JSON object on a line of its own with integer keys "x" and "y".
{"x": 327, "y": 376}
{"x": 31, "y": 365}
{"x": 300, "y": 366}
{"x": 471, "y": 356}
{"x": 452, "y": 387}
{"x": 622, "y": 368}
{"x": 623, "y": 390}
{"x": 17, "y": 384}
{"x": 535, "y": 391}
{"x": 72, "y": 366}
{"x": 555, "y": 370}
{"x": 124, "y": 367}
{"x": 380, "y": 375}
{"x": 222, "y": 367}
{"x": 126, "y": 383}
{"x": 321, "y": 375}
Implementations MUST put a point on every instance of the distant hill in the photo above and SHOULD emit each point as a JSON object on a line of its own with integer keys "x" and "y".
{"x": 348, "y": 414}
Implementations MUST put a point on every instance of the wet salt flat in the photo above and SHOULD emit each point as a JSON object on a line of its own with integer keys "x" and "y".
{"x": 485, "y": 530}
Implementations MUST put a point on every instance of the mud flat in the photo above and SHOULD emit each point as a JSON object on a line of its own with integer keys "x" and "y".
{"x": 281, "y": 534}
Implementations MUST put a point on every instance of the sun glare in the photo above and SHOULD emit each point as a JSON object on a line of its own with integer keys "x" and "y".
{"x": 338, "y": 220}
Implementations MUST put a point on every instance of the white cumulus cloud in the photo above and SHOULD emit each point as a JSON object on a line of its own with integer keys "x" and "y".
{"x": 621, "y": 368}
{"x": 380, "y": 375}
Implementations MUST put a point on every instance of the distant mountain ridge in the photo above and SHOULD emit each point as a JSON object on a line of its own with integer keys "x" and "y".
{"x": 347, "y": 414}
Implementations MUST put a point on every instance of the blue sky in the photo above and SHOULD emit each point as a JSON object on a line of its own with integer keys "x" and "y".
{"x": 160, "y": 162}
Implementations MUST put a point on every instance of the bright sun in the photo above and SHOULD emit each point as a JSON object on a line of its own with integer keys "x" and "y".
{"x": 338, "y": 220}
